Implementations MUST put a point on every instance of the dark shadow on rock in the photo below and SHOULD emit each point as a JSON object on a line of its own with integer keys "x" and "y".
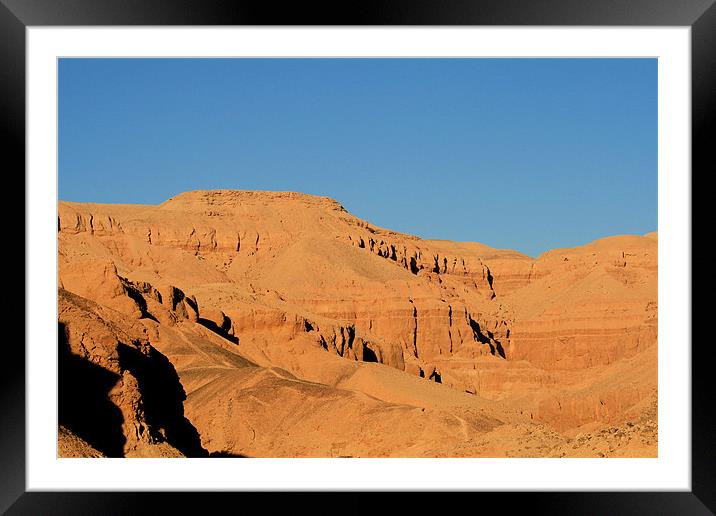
{"x": 498, "y": 344}
{"x": 414, "y": 266}
{"x": 163, "y": 398}
{"x": 191, "y": 301}
{"x": 220, "y": 330}
{"x": 226, "y": 455}
{"x": 479, "y": 336}
{"x": 141, "y": 303}
{"x": 84, "y": 406}
{"x": 369, "y": 355}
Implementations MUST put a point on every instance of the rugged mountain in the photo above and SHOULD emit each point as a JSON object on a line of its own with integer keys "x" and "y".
{"x": 293, "y": 328}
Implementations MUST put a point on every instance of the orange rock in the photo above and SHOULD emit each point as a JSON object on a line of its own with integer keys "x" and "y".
{"x": 287, "y": 297}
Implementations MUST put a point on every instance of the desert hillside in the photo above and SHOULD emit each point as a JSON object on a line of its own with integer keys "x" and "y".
{"x": 272, "y": 324}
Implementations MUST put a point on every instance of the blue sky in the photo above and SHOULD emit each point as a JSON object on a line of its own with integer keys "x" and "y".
{"x": 527, "y": 154}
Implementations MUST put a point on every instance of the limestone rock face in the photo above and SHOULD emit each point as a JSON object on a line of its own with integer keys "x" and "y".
{"x": 594, "y": 305}
{"x": 218, "y": 319}
{"x": 98, "y": 280}
{"x": 294, "y": 283}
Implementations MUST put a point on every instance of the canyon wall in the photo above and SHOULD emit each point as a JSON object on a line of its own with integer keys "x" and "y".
{"x": 295, "y": 282}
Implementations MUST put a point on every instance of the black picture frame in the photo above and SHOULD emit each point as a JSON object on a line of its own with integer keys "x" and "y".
{"x": 700, "y": 15}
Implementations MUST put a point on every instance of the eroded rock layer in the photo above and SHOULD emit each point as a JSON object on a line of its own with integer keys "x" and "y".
{"x": 289, "y": 327}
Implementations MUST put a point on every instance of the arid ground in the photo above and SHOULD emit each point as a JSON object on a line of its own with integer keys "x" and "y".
{"x": 264, "y": 324}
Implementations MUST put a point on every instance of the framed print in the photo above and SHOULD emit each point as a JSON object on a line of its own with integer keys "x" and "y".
{"x": 411, "y": 248}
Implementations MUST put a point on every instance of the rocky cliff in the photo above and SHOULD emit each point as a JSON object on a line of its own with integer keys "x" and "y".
{"x": 310, "y": 302}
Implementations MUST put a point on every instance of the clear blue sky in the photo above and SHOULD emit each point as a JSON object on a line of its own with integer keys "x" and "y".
{"x": 528, "y": 154}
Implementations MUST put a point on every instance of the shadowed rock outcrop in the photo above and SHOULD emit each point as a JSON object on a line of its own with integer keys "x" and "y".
{"x": 84, "y": 405}
{"x": 117, "y": 392}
